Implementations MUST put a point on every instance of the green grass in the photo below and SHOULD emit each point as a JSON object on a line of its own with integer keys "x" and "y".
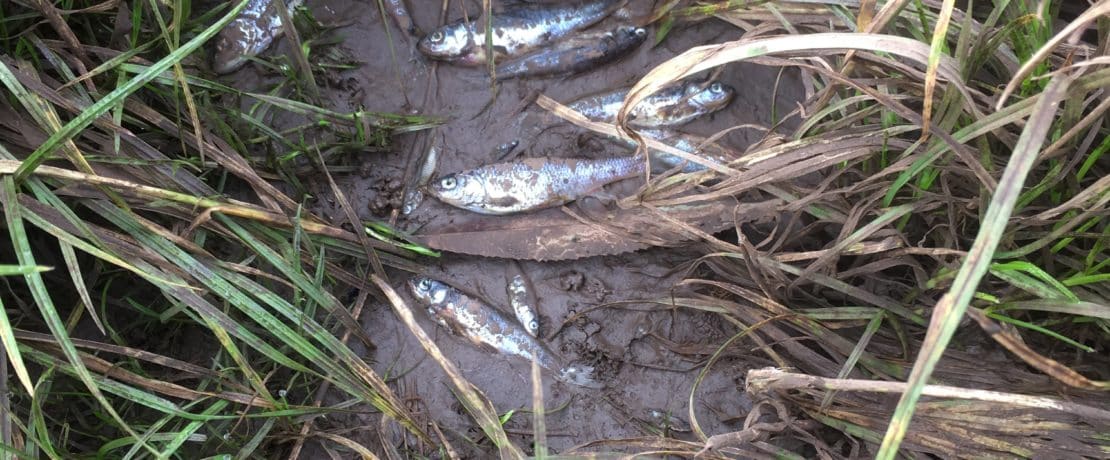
{"x": 123, "y": 253}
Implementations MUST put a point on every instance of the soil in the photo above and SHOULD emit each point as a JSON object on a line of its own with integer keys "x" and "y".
{"x": 647, "y": 355}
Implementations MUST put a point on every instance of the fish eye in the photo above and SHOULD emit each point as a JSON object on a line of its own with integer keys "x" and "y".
{"x": 534, "y": 325}
{"x": 640, "y": 32}
{"x": 436, "y": 36}
{"x": 424, "y": 284}
{"x": 448, "y": 183}
{"x": 715, "y": 87}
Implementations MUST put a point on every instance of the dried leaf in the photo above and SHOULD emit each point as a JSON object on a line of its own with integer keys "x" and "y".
{"x": 549, "y": 235}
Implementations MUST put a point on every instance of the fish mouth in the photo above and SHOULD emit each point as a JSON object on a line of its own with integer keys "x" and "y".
{"x": 227, "y": 62}
{"x": 414, "y": 289}
{"x": 425, "y": 47}
{"x": 433, "y": 51}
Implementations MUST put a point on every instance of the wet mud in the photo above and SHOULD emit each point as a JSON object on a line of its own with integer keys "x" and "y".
{"x": 592, "y": 310}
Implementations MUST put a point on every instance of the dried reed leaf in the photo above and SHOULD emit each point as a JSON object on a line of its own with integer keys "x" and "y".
{"x": 552, "y": 236}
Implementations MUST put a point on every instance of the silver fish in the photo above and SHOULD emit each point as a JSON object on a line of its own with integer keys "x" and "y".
{"x": 690, "y": 143}
{"x": 486, "y": 327}
{"x": 672, "y": 105}
{"x": 412, "y": 201}
{"x": 415, "y": 196}
{"x": 522, "y": 299}
{"x": 257, "y": 26}
{"x": 576, "y": 54}
{"x": 531, "y": 183}
{"x": 516, "y": 30}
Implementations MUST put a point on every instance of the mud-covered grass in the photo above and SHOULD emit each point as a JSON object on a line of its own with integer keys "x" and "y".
{"x": 913, "y": 257}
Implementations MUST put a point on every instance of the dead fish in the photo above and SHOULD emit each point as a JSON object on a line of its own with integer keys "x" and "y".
{"x": 516, "y": 30}
{"x": 412, "y": 201}
{"x": 531, "y": 183}
{"x": 415, "y": 196}
{"x": 576, "y": 54}
{"x": 486, "y": 327}
{"x": 690, "y": 143}
{"x": 672, "y": 105}
{"x": 522, "y": 298}
{"x": 249, "y": 34}
{"x": 401, "y": 16}
{"x": 428, "y": 169}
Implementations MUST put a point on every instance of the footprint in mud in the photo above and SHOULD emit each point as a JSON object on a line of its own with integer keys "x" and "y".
{"x": 575, "y": 281}
{"x": 571, "y": 280}
{"x": 384, "y": 196}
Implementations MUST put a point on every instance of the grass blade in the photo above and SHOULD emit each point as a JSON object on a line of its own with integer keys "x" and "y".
{"x": 950, "y": 310}
{"x": 117, "y": 96}
{"x": 41, "y": 294}
{"x": 11, "y": 348}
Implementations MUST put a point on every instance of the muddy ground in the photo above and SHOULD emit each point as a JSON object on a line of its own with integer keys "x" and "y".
{"x": 633, "y": 346}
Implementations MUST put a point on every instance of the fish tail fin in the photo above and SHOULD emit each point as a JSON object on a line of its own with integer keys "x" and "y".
{"x": 579, "y": 375}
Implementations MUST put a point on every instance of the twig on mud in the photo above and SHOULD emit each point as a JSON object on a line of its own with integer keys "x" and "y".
{"x": 770, "y": 378}
{"x": 754, "y": 430}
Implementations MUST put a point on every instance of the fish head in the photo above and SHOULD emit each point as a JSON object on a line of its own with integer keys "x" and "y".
{"x": 448, "y": 43}
{"x": 428, "y": 291}
{"x": 462, "y": 190}
{"x": 709, "y": 97}
{"x": 628, "y": 36}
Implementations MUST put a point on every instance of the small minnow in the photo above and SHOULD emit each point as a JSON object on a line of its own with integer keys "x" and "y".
{"x": 486, "y": 327}
{"x": 412, "y": 201}
{"x": 690, "y": 143}
{"x": 415, "y": 196}
{"x": 576, "y": 54}
{"x": 256, "y": 27}
{"x": 531, "y": 183}
{"x": 672, "y": 105}
{"x": 516, "y": 30}
{"x": 522, "y": 298}
{"x": 505, "y": 149}
{"x": 401, "y": 16}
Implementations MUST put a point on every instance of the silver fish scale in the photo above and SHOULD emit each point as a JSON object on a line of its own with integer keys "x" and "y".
{"x": 536, "y": 183}
{"x": 604, "y": 107}
{"x": 524, "y": 27}
{"x": 650, "y": 112}
{"x": 249, "y": 34}
{"x": 517, "y": 30}
{"x": 522, "y": 303}
{"x": 687, "y": 143}
{"x": 484, "y": 324}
